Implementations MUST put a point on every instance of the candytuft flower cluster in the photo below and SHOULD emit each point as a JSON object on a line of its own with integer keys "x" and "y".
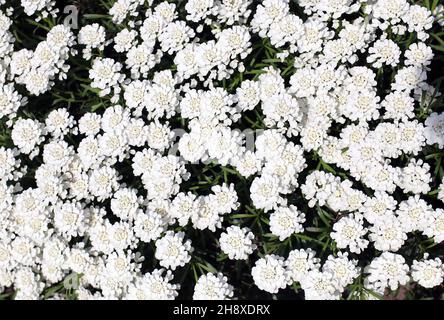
{"x": 220, "y": 149}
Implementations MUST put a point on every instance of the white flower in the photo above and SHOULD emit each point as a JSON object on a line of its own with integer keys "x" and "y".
{"x": 32, "y": 6}
{"x": 318, "y": 187}
{"x": 419, "y": 19}
{"x": 435, "y": 229}
{"x": 362, "y": 105}
{"x": 300, "y": 262}
{"x": 349, "y": 232}
{"x": 5, "y": 200}
{"x": 21, "y": 61}
{"x": 248, "y": 94}
{"x": 229, "y": 11}
{"x": 24, "y": 251}
{"x": 148, "y": 226}
{"x": 10, "y": 101}
{"x": 191, "y": 147}
{"x": 70, "y": 219}
{"x": 186, "y": 61}
{"x": 143, "y": 161}
{"x": 415, "y": 214}
{"x": 183, "y": 206}
{"x": 172, "y": 251}
{"x": 270, "y": 144}
{"x": 124, "y": 40}
{"x": 92, "y": 35}
{"x": 412, "y": 136}
{"x": 207, "y": 216}
{"x": 280, "y": 110}
{"x": 416, "y": 177}
{"x": 387, "y": 271}
{"x": 319, "y": 285}
{"x": 8, "y": 163}
{"x": 153, "y": 286}
{"x": 345, "y": 198}
{"x": 122, "y": 8}
{"x": 89, "y": 152}
{"x": 392, "y": 10}
{"x": 61, "y": 38}
{"x": 205, "y": 110}
{"x": 418, "y": 54}
{"x": 212, "y": 287}
{"x": 264, "y": 192}
{"x": 398, "y": 105}
{"x": 89, "y": 124}
{"x": 288, "y": 29}
{"x": 114, "y": 119}
{"x": 100, "y": 235}
{"x": 102, "y": 182}
{"x": 343, "y": 270}
{"x": 428, "y": 273}
{"x": 303, "y": 82}
{"x": 268, "y": 12}
{"x": 151, "y": 26}
{"x": 434, "y": 129}
{"x": 409, "y": 78}
{"x": 159, "y": 135}
{"x": 27, "y": 135}
{"x": 59, "y": 122}
{"x": 125, "y": 203}
{"x": 315, "y": 32}
{"x": 36, "y": 81}
{"x": 174, "y": 36}
{"x": 57, "y": 154}
{"x": 121, "y": 236}
{"x": 247, "y": 164}
{"x": 237, "y": 242}
{"x": 270, "y": 83}
{"x": 223, "y": 144}
{"x": 113, "y": 145}
{"x": 141, "y": 60}
{"x": 161, "y": 100}
{"x": 380, "y": 177}
{"x": 136, "y": 132}
{"x": 387, "y": 137}
{"x": 285, "y": 221}
{"x": 314, "y": 132}
{"x": 216, "y": 106}
{"x": 166, "y": 11}
{"x": 198, "y": 9}
{"x": 269, "y": 274}
{"x": 361, "y": 78}
{"x": 118, "y": 265}
{"x": 235, "y": 41}
{"x": 224, "y": 198}
{"x": 135, "y": 94}
{"x": 384, "y": 52}
{"x": 379, "y": 206}
{"x": 387, "y": 233}
{"x": 105, "y": 75}
{"x": 29, "y": 285}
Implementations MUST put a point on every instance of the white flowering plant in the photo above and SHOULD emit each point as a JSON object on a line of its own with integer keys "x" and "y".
{"x": 221, "y": 149}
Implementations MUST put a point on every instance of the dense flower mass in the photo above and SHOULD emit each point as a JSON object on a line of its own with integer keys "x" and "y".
{"x": 220, "y": 149}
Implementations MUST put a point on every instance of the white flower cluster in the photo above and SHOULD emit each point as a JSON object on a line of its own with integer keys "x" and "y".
{"x": 108, "y": 185}
{"x": 36, "y": 70}
{"x": 43, "y": 8}
{"x": 273, "y": 273}
{"x": 212, "y": 287}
